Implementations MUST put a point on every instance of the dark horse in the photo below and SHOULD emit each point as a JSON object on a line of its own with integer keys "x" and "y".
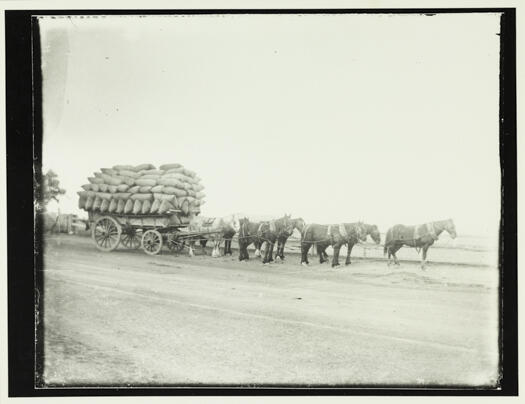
{"x": 369, "y": 230}
{"x": 335, "y": 235}
{"x": 420, "y": 236}
{"x": 270, "y": 231}
{"x": 248, "y": 235}
{"x": 298, "y": 224}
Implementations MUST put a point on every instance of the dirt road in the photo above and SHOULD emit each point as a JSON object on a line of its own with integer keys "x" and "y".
{"x": 127, "y": 318}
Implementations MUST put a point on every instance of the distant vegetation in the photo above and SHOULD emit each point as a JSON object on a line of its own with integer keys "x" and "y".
{"x": 49, "y": 189}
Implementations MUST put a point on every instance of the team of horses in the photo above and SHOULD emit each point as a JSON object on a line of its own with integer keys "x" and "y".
{"x": 275, "y": 233}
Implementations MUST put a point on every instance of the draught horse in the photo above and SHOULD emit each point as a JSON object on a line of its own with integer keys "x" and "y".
{"x": 331, "y": 235}
{"x": 270, "y": 231}
{"x": 419, "y": 236}
{"x": 297, "y": 223}
{"x": 215, "y": 229}
{"x": 369, "y": 230}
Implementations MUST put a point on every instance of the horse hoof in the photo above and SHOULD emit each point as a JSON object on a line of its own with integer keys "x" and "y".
{"x": 304, "y": 264}
{"x": 335, "y": 265}
{"x": 347, "y": 263}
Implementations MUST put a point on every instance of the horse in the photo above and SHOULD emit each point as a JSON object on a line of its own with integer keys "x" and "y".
{"x": 270, "y": 231}
{"x": 297, "y": 223}
{"x": 369, "y": 230}
{"x": 216, "y": 229}
{"x": 247, "y": 236}
{"x": 335, "y": 235}
{"x": 419, "y": 236}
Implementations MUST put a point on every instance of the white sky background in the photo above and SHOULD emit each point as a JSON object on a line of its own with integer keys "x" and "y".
{"x": 385, "y": 118}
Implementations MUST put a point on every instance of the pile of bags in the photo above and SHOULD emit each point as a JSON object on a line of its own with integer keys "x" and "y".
{"x": 142, "y": 190}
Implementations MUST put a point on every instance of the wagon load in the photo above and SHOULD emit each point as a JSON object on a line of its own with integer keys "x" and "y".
{"x": 143, "y": 190}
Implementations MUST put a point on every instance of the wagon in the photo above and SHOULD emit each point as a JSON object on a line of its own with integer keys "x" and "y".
{"x": 149, "y": 232}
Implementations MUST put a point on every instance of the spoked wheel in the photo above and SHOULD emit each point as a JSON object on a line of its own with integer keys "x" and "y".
{"x": 131, "y": 237}
{"x": 152, "y": 242}
{"x": 174, "y": 244}
{"x": 106, "y": 233}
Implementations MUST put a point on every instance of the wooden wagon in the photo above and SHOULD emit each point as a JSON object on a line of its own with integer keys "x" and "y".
{"x": 149, "y": 232}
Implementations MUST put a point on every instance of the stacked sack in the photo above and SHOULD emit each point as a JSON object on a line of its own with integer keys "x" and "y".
{"x": 142, "y": 190}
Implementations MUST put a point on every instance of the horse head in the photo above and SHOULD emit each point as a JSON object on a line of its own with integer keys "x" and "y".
{"x": 373, "y": 231}
{"x": 288, "y": 224}
{"x": 298, "y": 224}
{"x": 361, "y": 231}
{"x": 235, "y": 222}
{"x": 450, "y": 228}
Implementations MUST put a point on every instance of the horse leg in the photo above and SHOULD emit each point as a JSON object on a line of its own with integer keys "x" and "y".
{"x": 229, "y": 241}
{"x": 245, "y": 245}
{"x": 282, "y": 247}
{"x": 241, "y": 251}
{"x": 393, "y": 250}
{"x": 266, "y": 255}
{"x": 246, "y": 255}
{"x": 335, "y": 259}
{"x": 257, "y": 244}
{"x": 281, "y": 251}
{"x": 424, "y": 256}
{"x": 349, "y": 247}
{"x": 190, "y": 248}
{"x": 278, "y": 249}
{"x": 321, "y": 253}
{"x": 305, "y": 246}
{"x": 270, "y": 250}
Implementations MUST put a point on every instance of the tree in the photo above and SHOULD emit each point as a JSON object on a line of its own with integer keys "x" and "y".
{"x": 49, "y": 189}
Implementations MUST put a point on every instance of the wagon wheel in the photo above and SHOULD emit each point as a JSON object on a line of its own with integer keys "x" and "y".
{"x": 106, "y": 233}
{"x": 152, "y": 242}
{"x": 174, "y": 244}
{"x": 131, "y": 237}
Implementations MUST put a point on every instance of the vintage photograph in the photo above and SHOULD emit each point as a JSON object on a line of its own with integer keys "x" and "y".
{"x": 269, "y": 199}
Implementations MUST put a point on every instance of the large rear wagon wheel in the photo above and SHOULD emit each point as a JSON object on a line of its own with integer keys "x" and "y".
{"x": 106, "y": 233}
{"x": 152, "y": 242}
{"x": 131, "y": 237}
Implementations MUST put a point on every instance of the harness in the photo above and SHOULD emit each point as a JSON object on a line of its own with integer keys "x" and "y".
{"x": 342, "y": 230}
{"x": 429, "y": 228}
{"x": 304, "y": 229}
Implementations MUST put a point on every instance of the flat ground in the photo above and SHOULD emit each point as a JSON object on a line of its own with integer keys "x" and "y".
{"x": 128, "y": 318}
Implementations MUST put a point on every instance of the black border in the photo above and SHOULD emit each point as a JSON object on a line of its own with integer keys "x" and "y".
{"x": 23, "y": 98}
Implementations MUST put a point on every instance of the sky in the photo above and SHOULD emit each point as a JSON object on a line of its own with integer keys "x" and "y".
{"x": 334, "y": 118}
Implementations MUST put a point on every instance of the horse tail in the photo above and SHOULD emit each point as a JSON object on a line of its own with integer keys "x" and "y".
{"x": 388, "y": 236}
